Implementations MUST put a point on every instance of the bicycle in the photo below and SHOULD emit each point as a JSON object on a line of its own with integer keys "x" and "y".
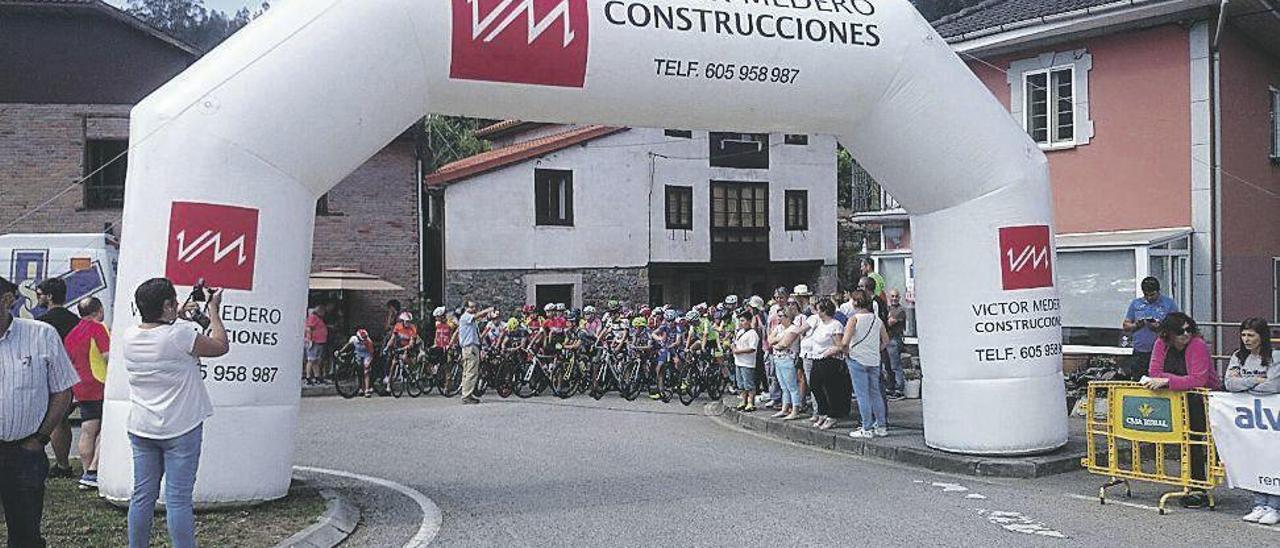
{"x": 348, "y": 374}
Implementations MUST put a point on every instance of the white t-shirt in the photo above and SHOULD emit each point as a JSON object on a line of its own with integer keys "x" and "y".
{"x": 167, "y": 394}
{"x": 806, "y": 325}
{"x": 747, "y": 338}
{"x": 780, "y": 331}
{"x": 823, "y": 336}
{"x": 865, "y": 346}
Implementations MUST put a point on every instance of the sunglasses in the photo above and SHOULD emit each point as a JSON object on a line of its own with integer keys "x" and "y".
{"x": 1180, "y": 331}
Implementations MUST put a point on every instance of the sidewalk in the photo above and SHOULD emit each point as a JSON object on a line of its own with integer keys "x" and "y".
{"x": 905, "y": 443}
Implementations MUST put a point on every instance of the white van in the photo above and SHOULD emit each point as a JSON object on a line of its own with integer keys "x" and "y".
{"x": 86, "y": 262}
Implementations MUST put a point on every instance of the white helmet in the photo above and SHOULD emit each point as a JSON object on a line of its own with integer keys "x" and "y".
{"x": 588, "y": 310}
{"x": 560, "y": 307}
{"x": 731, "y": 300}
{"x": 439, "y": 311}
{"x": 550, "y": 307}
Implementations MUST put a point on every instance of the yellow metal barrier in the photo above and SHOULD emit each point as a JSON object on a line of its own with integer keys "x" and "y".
{"x": 1125, "y": 417}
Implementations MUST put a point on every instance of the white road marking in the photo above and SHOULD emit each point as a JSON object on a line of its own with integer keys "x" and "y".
{"x": 950, "y": 487}
{"x": 431, "y": 516}
{"x": 1018, "y": 523}
{"x": 975, "y": 496}
{"x": 1119, "y": 502}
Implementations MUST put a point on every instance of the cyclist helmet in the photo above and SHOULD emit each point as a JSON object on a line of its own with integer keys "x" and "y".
{"x": 693, "y": 316}
{"x": 362, "y": 334}
{"x": 639, "y": 322}
{"x": 700, "y": 308}
{"x": 406, "y": 316}
{"x": 645, "y": 311}
{"x": 669, "y": 315}
{"x": 528, "y": 309}
{"x": 756, "y": 302}
{"x": 589, "y": 310}
{"x": 731, "y": 300}
{"x": 612, "y": 305}
{"x": 438, "y": 312}
{"x": 549, "y": 308}
{"x": 513, "y": 324}
{"x": 560, "y": 307}
{"x": 572, "y": 315}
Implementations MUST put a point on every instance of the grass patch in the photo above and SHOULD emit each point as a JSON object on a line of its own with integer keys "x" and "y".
{"x": 79, "y": 518}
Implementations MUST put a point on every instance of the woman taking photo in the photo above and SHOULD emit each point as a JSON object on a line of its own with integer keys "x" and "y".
{"x": 1181, "y": 361}
{"x": 865, "y": 336}
{"x": 168, "y": 407}
{"x": 830, "y": 379}
{"x": 1253, "y": 369}
{"x": 784, "y": 339}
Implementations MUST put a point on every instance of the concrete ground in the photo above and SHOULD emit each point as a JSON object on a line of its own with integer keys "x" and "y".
{"x": 546, "y": 472}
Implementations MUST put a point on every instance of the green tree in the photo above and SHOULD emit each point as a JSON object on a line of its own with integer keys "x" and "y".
{"x": 452, "y": 138}
{"x": 191, "y": 22}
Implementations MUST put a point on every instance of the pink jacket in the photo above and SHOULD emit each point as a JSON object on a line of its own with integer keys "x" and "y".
{"x": 1200, "y": 371}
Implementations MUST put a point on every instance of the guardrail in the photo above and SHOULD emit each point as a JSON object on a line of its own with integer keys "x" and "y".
{"x": 1125, "y": 417}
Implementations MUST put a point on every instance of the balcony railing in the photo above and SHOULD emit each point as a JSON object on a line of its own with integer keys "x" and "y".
{"x": 867, "y": 194}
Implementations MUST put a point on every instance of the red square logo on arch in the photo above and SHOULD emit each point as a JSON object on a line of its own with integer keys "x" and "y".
{"x": 539, "y": 42}
{"x": 216, "y": 243}
{"x": 1026, "y": 258}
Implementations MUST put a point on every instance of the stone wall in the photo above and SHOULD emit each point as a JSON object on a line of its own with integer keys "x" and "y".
{"x": 510, "y": 289}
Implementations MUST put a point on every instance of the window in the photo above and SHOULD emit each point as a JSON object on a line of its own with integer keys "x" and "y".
{"x": 1049, "y": 96}
{"x": 1096, "y": 286}
{"x": 1275, "y": 288}
{"x": 739, "y": 205}
{"x": 323, "y": 209}
{"x": 554, "y": 293}
{"x": 553, "y": 196}
{"x": 1050, "y": 110}
{"x": 104, "y": 189}
{"x": 740, "y": 150}
{"x": 797, "y": 202}
{"x": 678, "y": 133}
{"x": 1275, "y": 125}
{"x": 679, "y": 207}
{"x": 792, "y": 139}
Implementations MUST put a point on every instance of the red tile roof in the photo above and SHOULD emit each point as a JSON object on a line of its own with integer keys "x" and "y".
{"x": 495, "y": 130}
{"x": 519, "y": 152}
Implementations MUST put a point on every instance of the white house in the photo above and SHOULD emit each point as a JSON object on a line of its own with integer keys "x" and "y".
{"x": 584, "y": 214}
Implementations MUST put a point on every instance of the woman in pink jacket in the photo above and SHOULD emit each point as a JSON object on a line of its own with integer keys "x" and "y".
{"x": 1181, "y": 361}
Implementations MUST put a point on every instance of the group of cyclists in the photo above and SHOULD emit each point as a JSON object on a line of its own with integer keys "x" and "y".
{"x": 661, "y": 349}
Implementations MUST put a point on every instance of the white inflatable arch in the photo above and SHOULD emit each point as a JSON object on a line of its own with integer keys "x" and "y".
{"x": 230, "y": 156}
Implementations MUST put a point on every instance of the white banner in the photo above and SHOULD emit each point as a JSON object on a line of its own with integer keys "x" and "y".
{"x": 1246, "y": 429}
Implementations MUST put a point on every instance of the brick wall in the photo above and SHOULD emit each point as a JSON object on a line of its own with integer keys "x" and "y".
{"x": 376, "y": 232}
{"x": 42, "y": 151}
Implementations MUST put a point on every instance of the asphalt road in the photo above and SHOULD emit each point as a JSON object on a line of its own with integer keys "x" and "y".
{"x": 546, "y": 472}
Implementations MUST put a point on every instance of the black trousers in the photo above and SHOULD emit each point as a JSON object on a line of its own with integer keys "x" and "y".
{"x": 22, "y": 475}
{"x": 831, "y": 387}
{"x": 1199, "y": 423}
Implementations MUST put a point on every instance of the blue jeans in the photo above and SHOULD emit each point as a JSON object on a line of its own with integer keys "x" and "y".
{"x": 785, "y": 367}
{"x": 176, "y": 459}
{"x": 895, "y": 365}
{"x": 775, "y": 387}
{"x": 1264, "y": 499}
{"x": 866, "y": 386}
{"x": 22, "y": 475}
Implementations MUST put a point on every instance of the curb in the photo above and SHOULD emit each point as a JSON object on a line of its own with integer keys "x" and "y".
{"x": 907, "y": 446}
{"x": 327, "y": 389}
{"x": 334, "y": 526}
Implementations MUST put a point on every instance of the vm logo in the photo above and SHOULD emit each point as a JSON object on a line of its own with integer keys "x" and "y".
{"x": 540, "y": 42}
{"x": 214, "y": 242}
{"x": 1026, "y": 260}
